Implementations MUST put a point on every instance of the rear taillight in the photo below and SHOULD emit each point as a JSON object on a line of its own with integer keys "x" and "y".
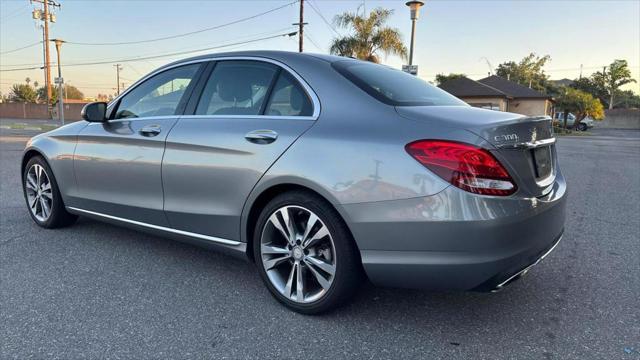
{"x": 465, "y": 166}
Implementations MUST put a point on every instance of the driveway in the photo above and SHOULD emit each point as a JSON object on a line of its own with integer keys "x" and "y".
{"x": 99, "y": 291}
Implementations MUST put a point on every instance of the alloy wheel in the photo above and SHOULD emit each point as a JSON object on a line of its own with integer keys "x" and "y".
{"x": 298, "y": 254}
{"x": 39, "y": 192}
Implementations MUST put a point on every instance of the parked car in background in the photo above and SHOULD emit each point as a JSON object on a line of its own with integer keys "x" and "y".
{"x": 319, "y": 169}
{"x": 585, "y": 124}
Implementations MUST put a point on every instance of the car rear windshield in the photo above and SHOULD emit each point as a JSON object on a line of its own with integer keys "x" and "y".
{"x": 394, "y": 87}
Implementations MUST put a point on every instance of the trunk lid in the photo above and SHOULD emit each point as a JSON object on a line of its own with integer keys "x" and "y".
{"x": 525, "y": 145}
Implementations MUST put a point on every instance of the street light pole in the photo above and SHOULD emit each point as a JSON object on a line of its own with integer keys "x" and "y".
{"x": 413, "y": 39}
{"x": 414, "y": 6}
{"x": 60, "y": 82}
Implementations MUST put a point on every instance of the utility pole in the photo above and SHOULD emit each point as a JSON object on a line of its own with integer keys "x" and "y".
{"x": 580, "y": 72}
{"x": 44, "y": 61}
{"x": 118, "y": 68}
{"x": 301, "y": 25}
{"x": 60, "y": 82}
{"x": 46, "y": 16}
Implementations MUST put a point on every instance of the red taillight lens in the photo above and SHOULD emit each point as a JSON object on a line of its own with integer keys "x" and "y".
{"x": 466, "y": 166}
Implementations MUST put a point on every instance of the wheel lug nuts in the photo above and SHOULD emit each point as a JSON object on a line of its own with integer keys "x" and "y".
{"x": 298, "y": 242}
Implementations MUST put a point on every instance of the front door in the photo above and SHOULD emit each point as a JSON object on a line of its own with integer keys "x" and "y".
{"x": 248, "y": 114}
{"x": 118, "y": 163}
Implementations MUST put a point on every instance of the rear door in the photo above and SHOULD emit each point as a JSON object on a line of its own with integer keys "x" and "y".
{"x": 246, "y": 114}
{"x": 118, "y": 163}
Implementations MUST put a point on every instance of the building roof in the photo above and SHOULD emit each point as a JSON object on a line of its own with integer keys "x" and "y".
{"x": 465, "y": 87}
{"x": 562, "y": 82}
{"x": 512, "y": 89}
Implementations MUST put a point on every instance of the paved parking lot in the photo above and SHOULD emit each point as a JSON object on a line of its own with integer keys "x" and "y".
{"x": 99, "y": 291}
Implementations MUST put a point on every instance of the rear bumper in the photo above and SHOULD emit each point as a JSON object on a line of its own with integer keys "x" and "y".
{"x": 506, "y": 277}
{"x": 455, "y": 240}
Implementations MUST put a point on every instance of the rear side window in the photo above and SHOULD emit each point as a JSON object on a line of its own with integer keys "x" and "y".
{"x": 392, "y": 86}
{"x": 237, "y": 88}
{"x": 288, "y": 98}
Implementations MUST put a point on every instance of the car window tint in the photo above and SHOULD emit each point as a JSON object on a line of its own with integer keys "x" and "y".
{"x": 288, "y": 98}
{"x": 236, "y": 88}
{"x": 157, "y": 96}
{"x": 392, "y": 86}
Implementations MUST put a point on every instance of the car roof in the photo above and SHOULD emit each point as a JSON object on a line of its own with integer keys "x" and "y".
{"x": 283, "y": 56}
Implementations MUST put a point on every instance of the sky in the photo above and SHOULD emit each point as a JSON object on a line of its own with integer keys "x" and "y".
{"x": 451, "y": 36}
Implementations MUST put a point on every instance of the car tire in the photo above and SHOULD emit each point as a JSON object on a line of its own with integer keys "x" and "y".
{"x": 582, "y": 127}
{"x": 328, "y": 247}
{"x": 42, "y": 195}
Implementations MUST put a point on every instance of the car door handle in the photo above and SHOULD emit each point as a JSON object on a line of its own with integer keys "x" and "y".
{"x": 150, "y": 130}
{"x": 261, "y": 136}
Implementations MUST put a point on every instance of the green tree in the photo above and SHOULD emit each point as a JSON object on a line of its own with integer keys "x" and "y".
{"x": 369, "y": 36}
{"x": 42, "y": 94}
{"x": 605, "y": 85}
{"x": 627, "y": 99}
{"x": 442, "y": 78}
{"x": 71, "y": 91}
{"x": 23, "y": 93}
{"x": 580, "y": 103}
{"x": 617, "y": 75}
{"x": 527, "y": 72}
{"x": 593, "y": 87}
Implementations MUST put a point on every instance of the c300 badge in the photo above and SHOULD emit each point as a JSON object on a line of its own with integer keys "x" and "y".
{"x": 509, "y": 137}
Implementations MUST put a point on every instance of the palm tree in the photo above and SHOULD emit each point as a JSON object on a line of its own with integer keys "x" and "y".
{"x": 370, "y": 36}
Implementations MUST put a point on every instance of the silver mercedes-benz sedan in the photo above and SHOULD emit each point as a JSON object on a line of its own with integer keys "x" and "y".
{"x": 322, "y": 170}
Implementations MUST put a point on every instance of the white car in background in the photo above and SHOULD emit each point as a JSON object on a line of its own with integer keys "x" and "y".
{"x": 585, "y": 124}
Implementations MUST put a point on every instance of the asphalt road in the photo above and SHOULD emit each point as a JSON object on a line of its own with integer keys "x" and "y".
{"x": 99, "y": 291}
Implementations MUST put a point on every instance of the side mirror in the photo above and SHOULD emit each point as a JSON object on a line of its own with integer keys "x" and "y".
{"x": 95, "y": 112}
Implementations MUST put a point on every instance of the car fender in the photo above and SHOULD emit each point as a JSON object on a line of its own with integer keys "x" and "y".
{"x": 57, "y": 147}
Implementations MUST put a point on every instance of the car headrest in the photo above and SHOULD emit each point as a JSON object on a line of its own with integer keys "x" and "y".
{"x": 296, "y": 99}
{"x": 230, "y": 89}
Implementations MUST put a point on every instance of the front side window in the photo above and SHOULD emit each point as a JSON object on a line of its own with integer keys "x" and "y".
{"x": 288, "y": 98}
{"x": 392, "y": 86}
{"x": 237, "y": 88}
{"x": 157, "y": 96}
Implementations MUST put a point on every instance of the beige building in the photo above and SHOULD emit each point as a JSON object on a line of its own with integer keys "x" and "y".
{"x": 497, "y": 93}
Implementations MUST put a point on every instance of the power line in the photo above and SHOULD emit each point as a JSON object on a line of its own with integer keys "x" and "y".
{"x": 312, "y": 41}
{"x": 545, "y": 70}
{"x": 21, "y": 69}
{"x": 15, "y": 13}
{"x": 188, "y": 33}
{"x": 162, "y": 55}
{"x": 317, "y": 11}
{"x": 266, "y": 33}
{"x": 181, "y": 52}
{"x": 21, "y": 48}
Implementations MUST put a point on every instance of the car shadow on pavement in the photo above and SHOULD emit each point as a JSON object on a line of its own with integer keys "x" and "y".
{"x": 228, "y": 275}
